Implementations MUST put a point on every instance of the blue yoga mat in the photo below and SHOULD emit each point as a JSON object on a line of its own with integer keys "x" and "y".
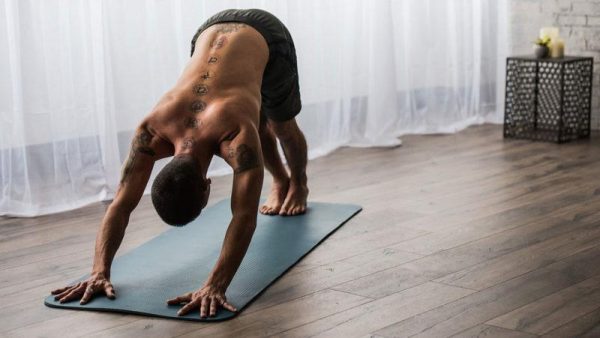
{"x": 180, "y": 259}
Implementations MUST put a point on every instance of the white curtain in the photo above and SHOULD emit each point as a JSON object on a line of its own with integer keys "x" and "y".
{"x": 77, "y": 76}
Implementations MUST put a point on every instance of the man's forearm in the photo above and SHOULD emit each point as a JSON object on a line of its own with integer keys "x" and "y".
{"x": 237, "y": 239}
{"x": 109, "y": 239}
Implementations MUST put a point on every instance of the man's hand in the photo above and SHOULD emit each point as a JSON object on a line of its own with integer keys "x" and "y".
{"x": 207, "y": 298}
{"x": 97, "y": 283}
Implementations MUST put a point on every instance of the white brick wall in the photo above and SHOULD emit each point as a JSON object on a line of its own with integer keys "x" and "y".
{"x": 579, "y": 23}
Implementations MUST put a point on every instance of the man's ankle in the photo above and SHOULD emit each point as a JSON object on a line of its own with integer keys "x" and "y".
{"x": 281, "y": 181}
{"x": 298, "y": 181}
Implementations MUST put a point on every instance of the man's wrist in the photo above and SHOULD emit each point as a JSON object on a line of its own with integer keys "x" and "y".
{"x": 101, "y": 272}
{"x": 216, "y": 281}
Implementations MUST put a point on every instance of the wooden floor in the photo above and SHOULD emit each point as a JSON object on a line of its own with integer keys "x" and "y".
{"x": 466, "y": 234}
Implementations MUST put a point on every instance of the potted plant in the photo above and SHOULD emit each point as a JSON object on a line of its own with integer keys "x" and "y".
{"x": 541, "y": 48}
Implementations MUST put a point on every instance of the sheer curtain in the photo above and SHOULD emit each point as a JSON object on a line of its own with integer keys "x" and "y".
{"x": 77, "y": 77}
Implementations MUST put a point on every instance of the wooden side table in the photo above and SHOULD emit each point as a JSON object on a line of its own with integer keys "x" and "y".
{"x": 548, "y": 99}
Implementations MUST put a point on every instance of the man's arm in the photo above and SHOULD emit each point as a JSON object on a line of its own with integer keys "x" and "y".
{"x": 134, "y": 177}
{"x": 245, "y": 196}
{"x": 146, "y": 148}
{"x": 245, "y": 157}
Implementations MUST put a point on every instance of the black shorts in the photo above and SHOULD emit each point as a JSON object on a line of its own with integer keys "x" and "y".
{"x": 280, "y": 89}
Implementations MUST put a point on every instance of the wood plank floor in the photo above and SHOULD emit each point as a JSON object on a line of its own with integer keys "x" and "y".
{"x": 461, "y": 235}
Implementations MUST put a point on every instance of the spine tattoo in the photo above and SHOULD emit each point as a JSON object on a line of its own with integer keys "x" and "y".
{"x": 197, "y": 106}
{"x": 230, "y": 27}
{"x": 219, "y": 42}
{"x": 188, "y": 142}
{"x": 192, "y": 123}
{"x": 202, "y": 89}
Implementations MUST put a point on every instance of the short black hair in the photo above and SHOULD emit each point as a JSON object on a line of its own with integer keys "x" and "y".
{"x": 178, "y": 190}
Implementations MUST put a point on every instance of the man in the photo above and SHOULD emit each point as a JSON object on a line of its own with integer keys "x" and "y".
{"x": 237, "y": 95}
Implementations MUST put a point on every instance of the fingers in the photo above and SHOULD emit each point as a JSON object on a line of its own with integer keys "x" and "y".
{"x": 61, "y": 290}
{"x": 188, "y": 307}
{"x": 208, "y": 305}
{"x": 204, "y": 304}
{"x": 180, "y": 299}
{"x": 229, "y": 306}
{"x": 110, "y": 291}
{"x": 223, "y": 302}
{"x": 75, "y": 293}
{"x": 213, "y": 307}
{"x": 62, "y": 294}
{"x": 89, "y": 292}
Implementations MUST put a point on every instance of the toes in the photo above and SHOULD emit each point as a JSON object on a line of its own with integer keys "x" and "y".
{"x": 265, "y": 209}
{"x": 285, "y": 211}
{"x": 269, "y": 210}
{"x": 292, "y": 210}
{"x": 286, "y": 208}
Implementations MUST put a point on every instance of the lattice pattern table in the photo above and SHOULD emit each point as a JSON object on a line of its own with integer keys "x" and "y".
{"x": 548, "y": 99}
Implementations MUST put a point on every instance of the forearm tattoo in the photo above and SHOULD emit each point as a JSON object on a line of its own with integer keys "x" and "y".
{"x": 139, "y": 145}
{"x": 212, "y": 59}
{"x": 206, "y": 76}
{"x": 245, "y": 157}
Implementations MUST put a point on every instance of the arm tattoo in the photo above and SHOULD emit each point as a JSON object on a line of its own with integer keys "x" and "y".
{"x": 246, "y": 158}
{"x": 212, "y": 59}
{"x": 205, "y": 76}
{"x": 200, "y": 89}
{"x": 197, "y": 106}
{"x": 143, "y": 143}
{"x": 230, "y": 152}
{"x": 139, "y": 145}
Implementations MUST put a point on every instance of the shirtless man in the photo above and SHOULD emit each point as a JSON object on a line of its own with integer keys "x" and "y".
{"x": 236, "y": 97}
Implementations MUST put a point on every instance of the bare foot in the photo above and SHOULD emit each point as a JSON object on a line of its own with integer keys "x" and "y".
{"x": 295, "y": 201}
{"x": 279, "y": 190}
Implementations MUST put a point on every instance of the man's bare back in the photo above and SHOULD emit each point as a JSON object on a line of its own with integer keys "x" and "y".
{"x": 231, "y": 102}
{"x": 218, "y": 93}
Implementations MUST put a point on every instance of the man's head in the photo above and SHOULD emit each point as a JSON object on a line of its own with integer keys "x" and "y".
{"x": 180, "y": 191}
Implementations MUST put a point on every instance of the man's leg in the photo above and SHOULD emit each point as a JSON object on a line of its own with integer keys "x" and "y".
{"x": 294, "y": 148}
{"x": 279, "y": 187}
